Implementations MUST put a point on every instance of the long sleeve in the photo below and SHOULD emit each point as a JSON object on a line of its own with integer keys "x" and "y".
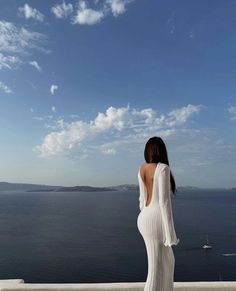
{"x": 166, "y": 207}
{"x": 141, "y": 192}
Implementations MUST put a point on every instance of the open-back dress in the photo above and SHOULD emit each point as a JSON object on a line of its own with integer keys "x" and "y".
{"x": 155, "y": 223}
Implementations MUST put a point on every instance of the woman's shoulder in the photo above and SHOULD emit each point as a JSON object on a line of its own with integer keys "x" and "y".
{"x": 164, "y": 167}
{"x": 145, "y": 165}
{"x": 142, "y": 167}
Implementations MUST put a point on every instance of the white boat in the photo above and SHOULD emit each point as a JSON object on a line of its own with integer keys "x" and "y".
{"x": 207, "y": 245}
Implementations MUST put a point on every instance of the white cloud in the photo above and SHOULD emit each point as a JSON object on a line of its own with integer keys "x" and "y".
{"x": 17, "y": 44}
{"x": 53, "y": 109}
{"x": 74, "y": 115}
{"x": 108, "y": 149}
{"x": 29, "y": 12}
{"x": 179, "y": 116}
{"x": 56, "y": 142}
{"x": 123, "y": 125}
{"x": 117, "y": 6}
{"x": 171, "y": 23}
{"x": 36, "y": 65}
{"x": 17, "y": 39}
{"x": 85, "y": 15}
{"x": 53, "y": 88}
{"x": 232, "y": 111}
{"x": 112, "y": 118}
{"x": 59, "y": 123}
{"x": 5, "y": 88}
{"x": 9, "y": 62}
{"x": 191, "y": 34}
{"x": 43, "y": 118}
{"x": 62, "y": 10}
{"x": 38, "y": 118}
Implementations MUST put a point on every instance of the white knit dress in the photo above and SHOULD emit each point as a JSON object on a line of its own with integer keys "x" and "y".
{"x": 155, "y": 223}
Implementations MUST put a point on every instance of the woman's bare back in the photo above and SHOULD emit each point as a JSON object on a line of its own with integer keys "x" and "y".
{"x": 147, "y": 171}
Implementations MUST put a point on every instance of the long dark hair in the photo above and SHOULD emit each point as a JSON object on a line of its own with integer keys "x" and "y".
{"x": 155, "y": 152}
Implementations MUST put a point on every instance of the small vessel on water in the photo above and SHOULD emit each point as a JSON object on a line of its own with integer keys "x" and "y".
{"x": 207, "y": 245}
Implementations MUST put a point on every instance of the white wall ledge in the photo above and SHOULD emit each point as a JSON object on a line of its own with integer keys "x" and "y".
{"x": 19, "y": 285}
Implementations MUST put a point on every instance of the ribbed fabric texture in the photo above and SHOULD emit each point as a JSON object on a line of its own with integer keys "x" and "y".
{"x": 155, "y": 223}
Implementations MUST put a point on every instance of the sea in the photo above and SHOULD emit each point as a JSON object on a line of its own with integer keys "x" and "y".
{"x": 92, "y": 237}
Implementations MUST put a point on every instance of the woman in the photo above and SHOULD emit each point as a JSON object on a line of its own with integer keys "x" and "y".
{"x": 155, "y": 220}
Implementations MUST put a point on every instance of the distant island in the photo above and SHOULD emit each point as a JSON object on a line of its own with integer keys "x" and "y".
{"x": 5, "y": 186}
{"x": 83, "y": 189}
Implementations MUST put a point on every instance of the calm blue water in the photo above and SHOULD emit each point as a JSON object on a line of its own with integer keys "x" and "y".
{"x": 93, "y": 237}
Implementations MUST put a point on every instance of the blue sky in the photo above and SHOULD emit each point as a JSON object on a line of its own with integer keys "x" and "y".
{"x": 84, "y": 85}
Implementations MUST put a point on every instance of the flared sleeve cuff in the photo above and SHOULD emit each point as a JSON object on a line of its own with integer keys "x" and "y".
{"x": 169, "y": 243}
